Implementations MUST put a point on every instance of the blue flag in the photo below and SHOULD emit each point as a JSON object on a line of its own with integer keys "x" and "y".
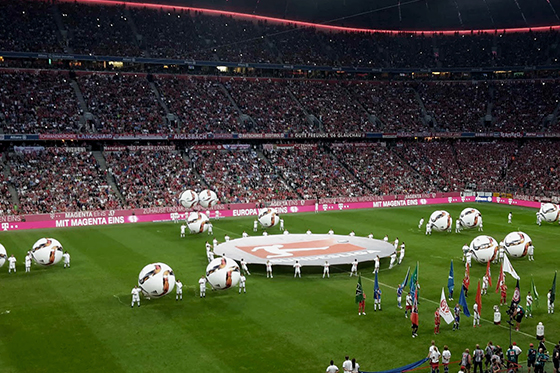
{"x": 451, "y": 281}
{"x": 375, "y": 286}
{"x": 405, "y": 282}
{"x": 463, "y": 303}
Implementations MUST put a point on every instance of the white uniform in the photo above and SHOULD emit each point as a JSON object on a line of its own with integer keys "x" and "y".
{"x": 501, "y": 252}
{"x": 286, "y": 232}
{"x": 497, "y": 316}
{"x": 66, "y": 258}
{"x": 352, "y": 234}
{"x": 386, "y": 238}
{"x": 509, "y": 218}
{"x": 528, "y": 304}
{"x": 242, "y": 280}
{"x": 28, "y": 263}
{"x": 376, "y": 262}
{"x": 183, "y": 229}
{"x": 428, "y": 229}
{"x": 326, "y": 270}
{"x": 446, "y": 356}
{"x": 370, "y": 236}
{"x": 457, "y": 226}
{"x": 297, "y": 269}
{"x": 12, "y": 264}
{"x": 347, "y": 366}
{"x": 210, "y": 255}
{"x": 255, "y": 226}
{"x": 226, "y": 238}
{"x": 210, "y": 229}
{"x": 539, "y": 219}
{"x": 244, "y": 266}
{"x": 265, "y": 233}
{"x": 540, "y": 331}
{"x": 316, "y": 207}
{"x": 269, "y": 270}
{"x": 530, "y": 252}
{"x": 332, "y": 369}
{"x": 393, "y": 259}
{"x": 179, "y": 289}
{"x": 135, "y": 296}
{"x": 281, "y": 224}
{"x": 484, "y": 285}
{"x": 245, "y": 235}
{"x": 396, "y": 243}
{"x": 469, "y": 258}
{"x": 202, "y": 283}
{"x": 466, "y": 249}
{"x": 331, "y": 232}
{"x": 354, "y": 269}
{"x": 401, "y": 256}
{"x": 420, "y": 223}
{"x": 549, "y": 304}
{"x": 476, "y": 315}
{"x": 214, "y": 243}
{"x": 480, "y": 228}
{"x": 308, "y": 232}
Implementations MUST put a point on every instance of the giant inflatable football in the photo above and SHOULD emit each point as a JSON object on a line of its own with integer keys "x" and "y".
{"x": 550, "y": 212}
{"x": 470, "y": 218}
{"x": 47, "y": 251}
{"x": 156, "y": 280}
{"x": 483, "y": 248}
{"x": 207, "y": 198}
{"x": 440, "y": 220}
{"x": 223, "y": 273}
{"x": 268, "y": 217}
{"x": 3, "y": 255}
{"x": 188, "y": 199}
{"x": 517, "y": 244}
{"x": 197, "y": 222}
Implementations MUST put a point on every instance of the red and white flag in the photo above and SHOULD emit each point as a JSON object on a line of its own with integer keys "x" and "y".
{"x": 508, "y": 268}
{"x": 444, "y": 310}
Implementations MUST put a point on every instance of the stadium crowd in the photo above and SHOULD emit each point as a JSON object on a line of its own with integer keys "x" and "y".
{"x": 58, "y": 180}
{"x": 31, "y": 26}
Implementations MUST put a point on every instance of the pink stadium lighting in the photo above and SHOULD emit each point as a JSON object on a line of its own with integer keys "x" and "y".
{"x": 309, "y": 24}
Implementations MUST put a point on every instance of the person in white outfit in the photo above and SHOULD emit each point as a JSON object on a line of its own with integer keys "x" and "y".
{"x": 226, "y": 238}
{"x": 549, "y": 303}
{"x": 281, "y": 224}
{"x": 480, "y": 227}
{"x": 331, "y": 232}
{"x": 396, "y": 243}
{"x": 265, "y": 233}
{"x": 466, "y": 249}
{"x": 214, "y": 243}
{"x": 308, "y": 232}
{"x": 354, "y": 269}
{"x": 12, "y": 264}
{"x": 242, "y": 280}
{"x": 370, "y": 236}
{"x": 428, "y": 229}
{"x": 66, "y": 258}
{"x": 210, "y": 229}
{"x": 202, "y": 284}
{"x": 268, "y": 269}
{"x": 510, "y": 215}
{"x": 352, "y": 234}
{"x": 421, "y": 223}
{"x": 286, "y": 232}
{"x": 135, "y": 296}
{"x": 297, "y": 269}
{"x": 183, "y": 230}
{"x": 244, "y": 234}
{"x": 376, "y": 262}
{"x": 244, "y": 266}
{"x": 28, "y": 262}
{"x": 393, "y": 259}
{"x": 255, "y": 225}
{"x": 476, "y": 316}
{"x": 401, "y": 254}
{"x": 484, "y": 285}
{"x": 457, "y": 226}
{"x": 326, "y": 269}
{"x": 179, "y": 290}
{"x": 386, "y": 238}
{"x": 530, "y": 252}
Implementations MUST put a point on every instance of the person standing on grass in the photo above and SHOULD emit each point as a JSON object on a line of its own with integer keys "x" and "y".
{"x": 268, "y": 269}
{"x": 297, "y": 269}
{"x": 488, "y": 352}
{"x": 326, "y": 269}
{"x": 354, "y": 269}
{"x": 478, "y": 356}
{"x": 28, "y": 262}
{"x": 12, "y": 264}
{"x": 434, "y": 359}
{"x": 362, "y": 305}
{"x": 135, "y": 296}
{"x": 399, "y": 296}
{"x": 466, "y": 360}
{"x": 437, "y": 321}
{"x": 347, "y": 365}
{"x": 244, "y": 266}
{"x": 202, "y": 285}
{"x": 556, "y": 358}
{"x": 355, "y": 366}
{"x": 183, "y": 229}
{"x": 179, "y": 290}
{"x": 242, "y": 280}
{"x": 446, "y": 359}
{"x": 332, "y": 368}
{"x": 66, "y": 258}
{"x": 531, "y": 358}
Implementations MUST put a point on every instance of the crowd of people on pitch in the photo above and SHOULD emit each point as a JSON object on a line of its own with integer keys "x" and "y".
{"x": 189, "y": 35}
{"x": 54, "y": 180}
{"x": 47, "y": 102}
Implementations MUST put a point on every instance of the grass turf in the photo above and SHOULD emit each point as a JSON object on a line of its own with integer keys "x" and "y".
{"x": 79, "y": 319}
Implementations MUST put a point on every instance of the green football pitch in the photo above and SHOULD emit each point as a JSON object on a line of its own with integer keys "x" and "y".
{"x": 80, "y": 319}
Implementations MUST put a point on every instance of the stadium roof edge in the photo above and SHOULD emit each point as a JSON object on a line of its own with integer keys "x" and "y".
{"x": 315, "y": 25}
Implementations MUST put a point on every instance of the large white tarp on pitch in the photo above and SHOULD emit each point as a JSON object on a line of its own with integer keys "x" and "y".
{"x": 311, "y": 250}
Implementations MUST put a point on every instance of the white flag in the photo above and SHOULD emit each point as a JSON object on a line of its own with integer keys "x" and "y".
{"x": 509, "y": 268}
{"x": 444, "y": 310}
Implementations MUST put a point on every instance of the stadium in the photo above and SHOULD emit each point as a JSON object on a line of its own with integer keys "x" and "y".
{"x": 134, "y": 134}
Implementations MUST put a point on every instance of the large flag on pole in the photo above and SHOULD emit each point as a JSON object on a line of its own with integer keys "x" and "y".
{"x": 414, "y": 313}
{"x": 463, "y": 303}
{"x": 478, "y": 299}
{"x": 535, "y": 293}
{"x": 375, "y": 286}
{"x": 444, "y": 310}
{"x": 414, "y": 279}
{"x": 450, "y": 281}
{"x": 516, "y": 296}
{"x": 359, "y": 290}
{"x": 500, "y": 279}
{"x": 405, "y": 282}
{"x": 508, "y": 268}
{"x": 553, "y": 288}
{"x": 488, "y": 274}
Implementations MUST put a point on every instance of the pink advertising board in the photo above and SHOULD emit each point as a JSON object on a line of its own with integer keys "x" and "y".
{"x": 113, "y": 217}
